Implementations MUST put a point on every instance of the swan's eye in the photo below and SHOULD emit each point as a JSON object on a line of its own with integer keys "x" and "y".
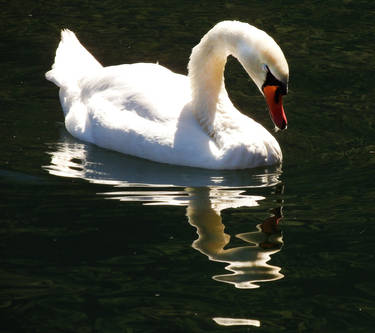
{"x": 272, "y": 81}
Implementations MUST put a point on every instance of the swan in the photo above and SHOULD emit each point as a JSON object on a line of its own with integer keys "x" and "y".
{"x": 148, "y": 111}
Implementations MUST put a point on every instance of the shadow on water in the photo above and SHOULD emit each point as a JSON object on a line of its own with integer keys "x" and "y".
{"x": 205, "y": 193}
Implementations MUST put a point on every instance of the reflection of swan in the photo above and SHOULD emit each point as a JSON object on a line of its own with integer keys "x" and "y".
{"x": 216, "y": 190}
{"x": 248, "y": 263}
{"x": 148, "y": 111}
{"x": 206, "y": 194}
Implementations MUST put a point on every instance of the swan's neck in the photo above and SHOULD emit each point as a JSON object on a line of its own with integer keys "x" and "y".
{"x": 206, "y": 74}
{"x": 206, "y": 70}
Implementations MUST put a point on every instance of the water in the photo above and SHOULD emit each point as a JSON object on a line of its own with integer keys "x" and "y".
{"x": 93, "y": 241}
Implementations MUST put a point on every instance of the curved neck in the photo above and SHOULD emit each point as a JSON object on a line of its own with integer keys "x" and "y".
{"x": 207, "y": 62}
{"x": 206, "y": 74}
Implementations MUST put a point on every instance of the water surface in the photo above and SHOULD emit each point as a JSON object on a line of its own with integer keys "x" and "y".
{"x": 94, "y": 241}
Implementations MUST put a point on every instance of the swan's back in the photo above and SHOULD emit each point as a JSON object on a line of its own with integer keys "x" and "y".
{"x": 143, "y": 88}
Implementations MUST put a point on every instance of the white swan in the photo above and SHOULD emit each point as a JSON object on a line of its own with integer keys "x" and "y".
{"x": 148, "y": 111}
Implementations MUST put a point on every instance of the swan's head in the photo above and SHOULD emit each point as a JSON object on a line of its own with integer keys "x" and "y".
{"x": 265, "y": 63}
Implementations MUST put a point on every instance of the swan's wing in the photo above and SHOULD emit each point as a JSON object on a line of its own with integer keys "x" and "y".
{"x": 134, "y": 109}
{"x": 148, "y": 91}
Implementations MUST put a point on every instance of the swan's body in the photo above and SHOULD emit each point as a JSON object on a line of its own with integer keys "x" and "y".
{"x": 148, "y": 111}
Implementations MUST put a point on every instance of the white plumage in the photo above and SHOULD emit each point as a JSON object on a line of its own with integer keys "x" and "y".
{"x": 148, "y": 111}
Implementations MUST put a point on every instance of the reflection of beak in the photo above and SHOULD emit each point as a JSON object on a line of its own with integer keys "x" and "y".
{"x": 275, "y": 106}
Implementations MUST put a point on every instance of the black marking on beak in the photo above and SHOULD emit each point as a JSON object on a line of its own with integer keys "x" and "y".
{"x": 272, "y": 81}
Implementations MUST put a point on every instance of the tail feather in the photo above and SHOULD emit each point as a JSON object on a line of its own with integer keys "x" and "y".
{"x": 72, "y": 61}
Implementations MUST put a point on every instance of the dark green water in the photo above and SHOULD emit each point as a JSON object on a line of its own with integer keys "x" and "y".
{"x": 92, "y": 241}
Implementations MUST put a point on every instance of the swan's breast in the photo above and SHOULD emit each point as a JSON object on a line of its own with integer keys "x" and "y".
{"x": 245, "y": 143}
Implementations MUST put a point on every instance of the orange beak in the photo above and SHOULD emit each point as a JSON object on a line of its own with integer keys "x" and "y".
{"x": 275, "y": 106}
